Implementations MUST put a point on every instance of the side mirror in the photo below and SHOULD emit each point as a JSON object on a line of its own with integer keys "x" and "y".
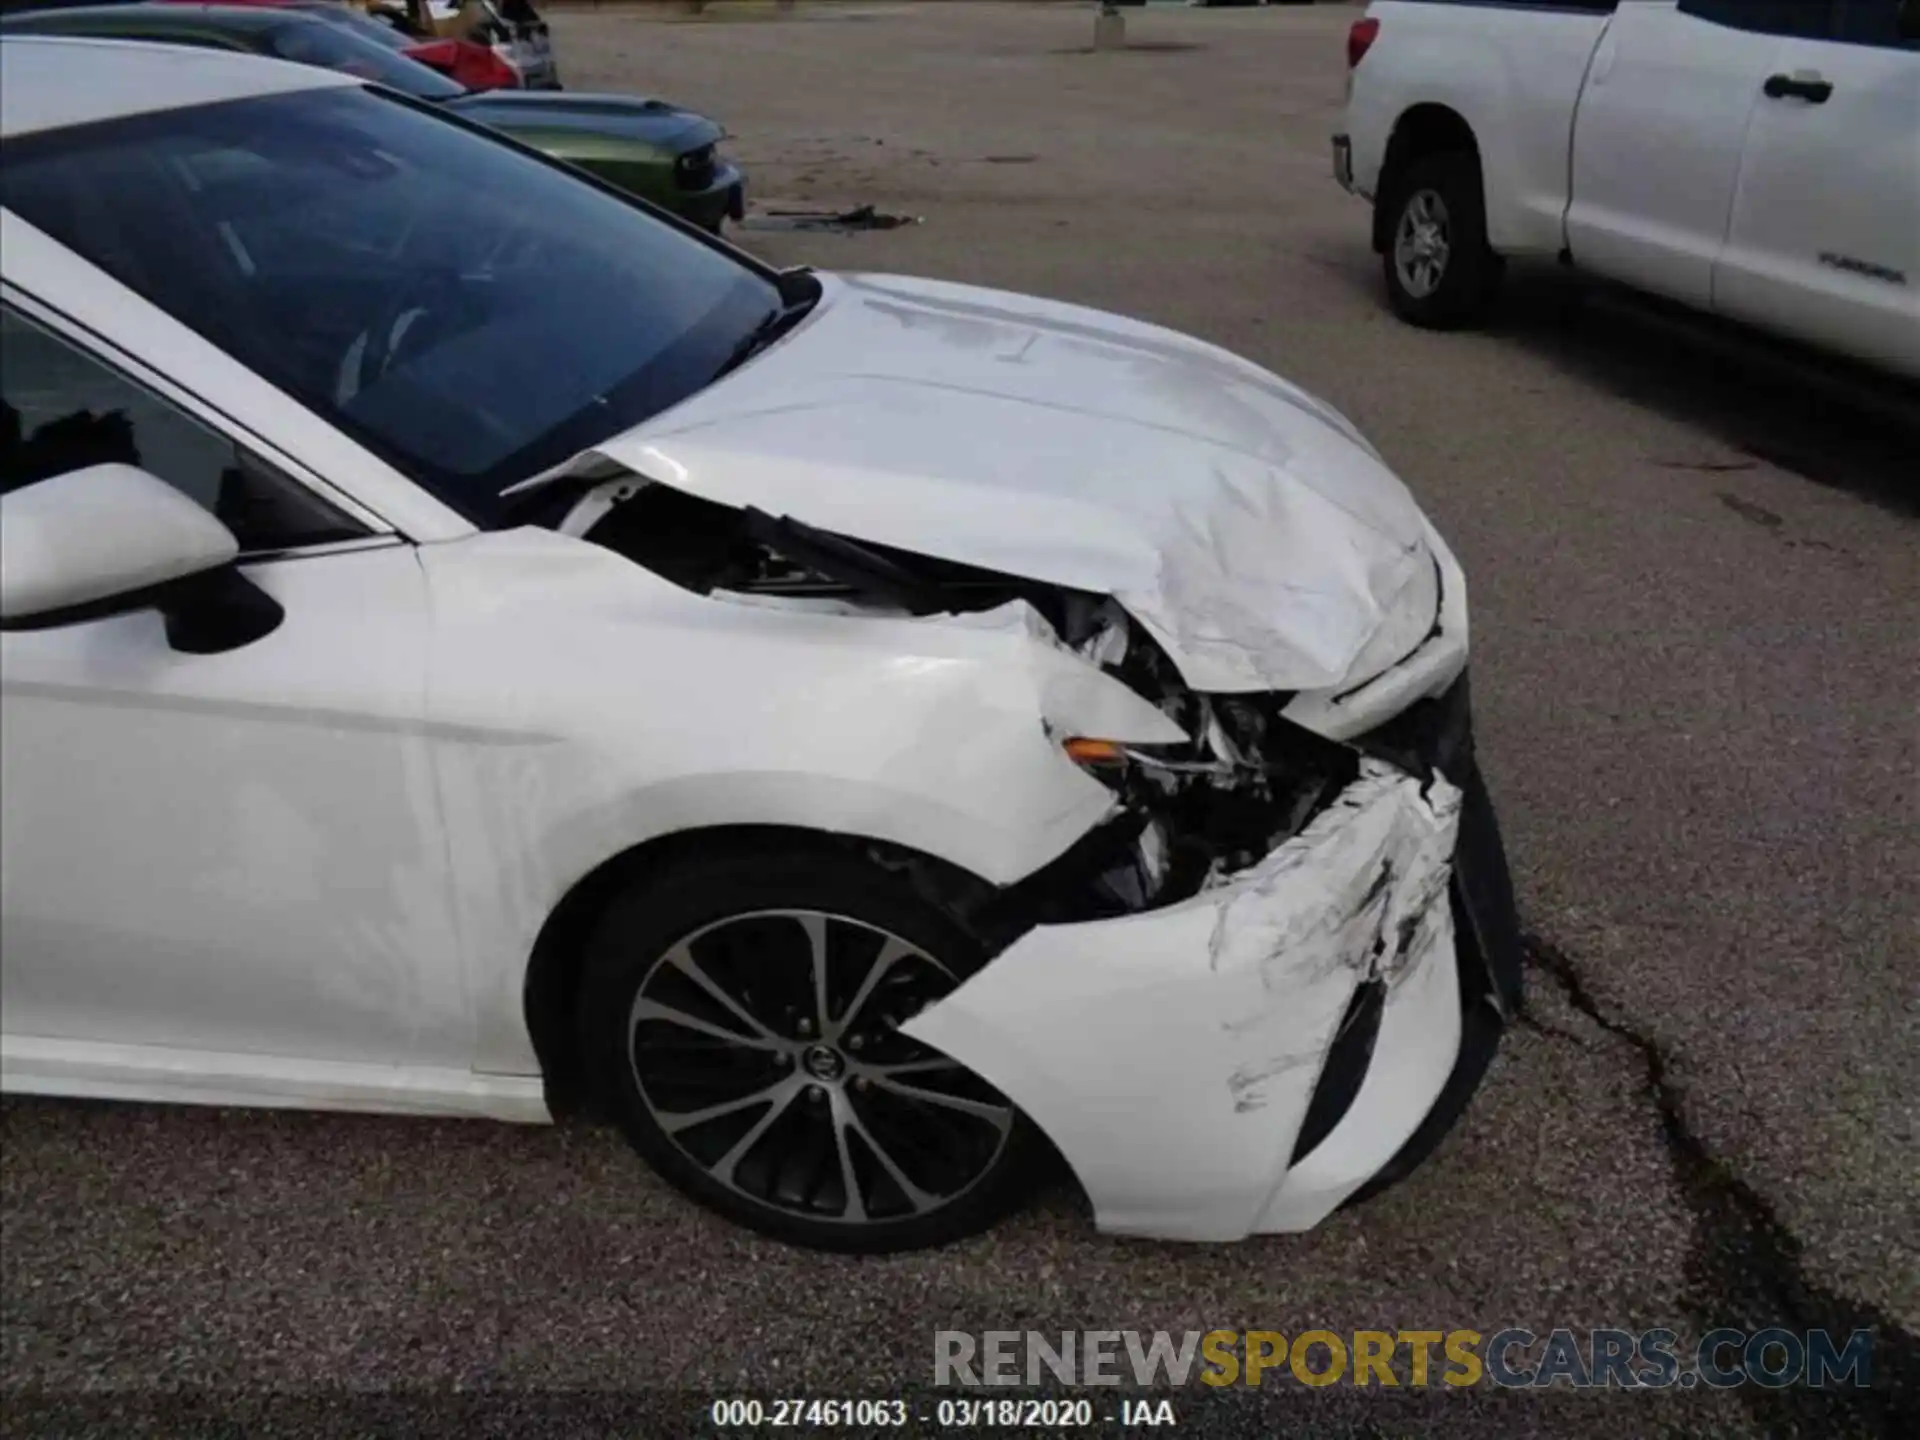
{"x": 111, "y": 538}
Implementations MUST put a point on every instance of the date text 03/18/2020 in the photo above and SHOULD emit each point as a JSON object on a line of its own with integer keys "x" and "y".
{"x": 949, "y": 1412}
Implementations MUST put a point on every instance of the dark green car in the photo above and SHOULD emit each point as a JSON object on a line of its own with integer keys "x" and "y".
{"x": 646, "y": 147}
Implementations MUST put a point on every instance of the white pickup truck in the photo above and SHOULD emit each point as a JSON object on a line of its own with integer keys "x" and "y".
{"x": 1759, "y": 159}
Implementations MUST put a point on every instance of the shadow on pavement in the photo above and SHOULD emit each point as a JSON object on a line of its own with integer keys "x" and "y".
{"x": 1833, "y": 422}
{"x": 1829, "y": 420}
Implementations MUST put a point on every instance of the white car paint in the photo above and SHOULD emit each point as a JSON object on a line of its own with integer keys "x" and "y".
{"x": 1245, "y": 985}
{"x": 1514, "y": 75}
{"x": 1656, "y": 149}
{"x": 933, "y": 736}
{"x": 211, "y": 918}
{"x": 121, "y": 529}
{"x": 1195, "y": 488}
{"x": 1639, "y": 142}
{"x": 312, "y": 870}
{"x": 1822, "y": 183}
{"x": 123, "y": 80}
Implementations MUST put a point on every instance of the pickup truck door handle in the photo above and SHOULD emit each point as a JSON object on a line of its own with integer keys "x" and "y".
{"x": 1804, "y": 85}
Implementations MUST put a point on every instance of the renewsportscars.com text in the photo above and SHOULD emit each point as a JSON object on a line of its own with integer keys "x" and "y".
{"x": 1414, "y": 1358}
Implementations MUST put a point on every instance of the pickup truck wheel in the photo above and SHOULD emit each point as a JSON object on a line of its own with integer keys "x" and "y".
{"x": 1441, "y": 274}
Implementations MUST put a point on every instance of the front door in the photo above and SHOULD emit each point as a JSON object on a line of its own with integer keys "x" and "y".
{"x": 1657, "y": 138}
{"x": 236, "y": 854}
{"x": 1824, "y": 241}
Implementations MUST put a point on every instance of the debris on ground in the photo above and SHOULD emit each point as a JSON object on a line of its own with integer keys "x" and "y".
{"x": 863, "y": 217}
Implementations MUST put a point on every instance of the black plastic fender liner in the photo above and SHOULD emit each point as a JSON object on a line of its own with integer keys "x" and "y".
{"x": 1345, "y": 1068}
{"x": 1437, "y": 735}
{"x": 1481, "y": 1026}
{"x": 861, "y": 567}
{"x": 1483, "y": 884}
{"x": 1487, "y": 962}
{"x": 1061, "y": 889}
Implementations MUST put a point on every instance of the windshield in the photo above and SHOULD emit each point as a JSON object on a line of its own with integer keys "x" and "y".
{"x": 469, "y": 312}
{"x": 331, "y": 45}
{"x": 359, "y": 22}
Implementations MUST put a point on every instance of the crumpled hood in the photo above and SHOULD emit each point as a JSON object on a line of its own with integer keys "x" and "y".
{"x": 1251, "y": 530}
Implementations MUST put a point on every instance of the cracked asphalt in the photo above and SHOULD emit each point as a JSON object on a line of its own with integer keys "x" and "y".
{"x": 1697, "y": 632}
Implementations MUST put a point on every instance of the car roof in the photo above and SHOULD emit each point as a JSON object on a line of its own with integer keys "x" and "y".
{"x": 169, "y": 15}
{"x": 51, "y": 82}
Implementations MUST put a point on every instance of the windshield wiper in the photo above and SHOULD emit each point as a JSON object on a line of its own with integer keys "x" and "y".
{"x": 799, "y": 301}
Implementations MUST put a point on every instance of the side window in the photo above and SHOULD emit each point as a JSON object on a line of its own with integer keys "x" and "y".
{"x": 197, "y": 40}
{"x": 1889, "y": 24}
{"x": 1803, "y": 19}
{"x": 62, "y": 409}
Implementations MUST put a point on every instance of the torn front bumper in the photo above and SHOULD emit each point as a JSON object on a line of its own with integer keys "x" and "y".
{"x": 1251, "y": 1058}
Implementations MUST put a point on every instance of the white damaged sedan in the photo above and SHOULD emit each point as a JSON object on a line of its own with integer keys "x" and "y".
{"x": 473, "y": 646}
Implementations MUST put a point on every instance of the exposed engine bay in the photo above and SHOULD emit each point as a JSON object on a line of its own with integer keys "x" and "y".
{"x": 1188, "y": 814}
{"x": 1181, "y": 668}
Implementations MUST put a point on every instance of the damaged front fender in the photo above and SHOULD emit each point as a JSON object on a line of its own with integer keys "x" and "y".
{"x": 1172, "y": 1055}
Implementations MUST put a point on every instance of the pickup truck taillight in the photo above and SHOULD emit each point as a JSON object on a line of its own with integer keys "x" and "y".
{"x": 1360, "y": 40}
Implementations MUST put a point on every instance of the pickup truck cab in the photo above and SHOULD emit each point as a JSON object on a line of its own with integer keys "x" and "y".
{"x": 1758, "y": 159}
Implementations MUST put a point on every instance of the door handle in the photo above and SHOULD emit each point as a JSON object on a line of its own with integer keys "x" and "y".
{"x": 1805, "y": 85}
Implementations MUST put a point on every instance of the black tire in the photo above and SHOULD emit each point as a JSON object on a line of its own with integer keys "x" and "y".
{"x": 830, "y": 1119}
{"x": 1469, "y": 274}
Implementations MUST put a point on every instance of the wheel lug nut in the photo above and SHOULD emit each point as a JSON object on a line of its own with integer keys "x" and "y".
{"x": 854, "y": 1042}
{"x": 816, "y": 1093}
{"x": 806, "y": 1026}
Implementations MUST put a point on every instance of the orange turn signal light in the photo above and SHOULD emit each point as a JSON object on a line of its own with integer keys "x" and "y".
{"x": 1095, "y": 752}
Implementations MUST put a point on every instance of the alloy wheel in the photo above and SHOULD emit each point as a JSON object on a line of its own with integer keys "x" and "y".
{"x": 1422, "y": 243}
{"x": 766, "y": 1047}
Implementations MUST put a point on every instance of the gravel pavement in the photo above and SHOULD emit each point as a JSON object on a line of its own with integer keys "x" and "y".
{"x": 1697, "y": 632}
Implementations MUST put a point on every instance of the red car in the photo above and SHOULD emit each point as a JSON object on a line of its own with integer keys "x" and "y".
{"x": 467, "y": 62}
